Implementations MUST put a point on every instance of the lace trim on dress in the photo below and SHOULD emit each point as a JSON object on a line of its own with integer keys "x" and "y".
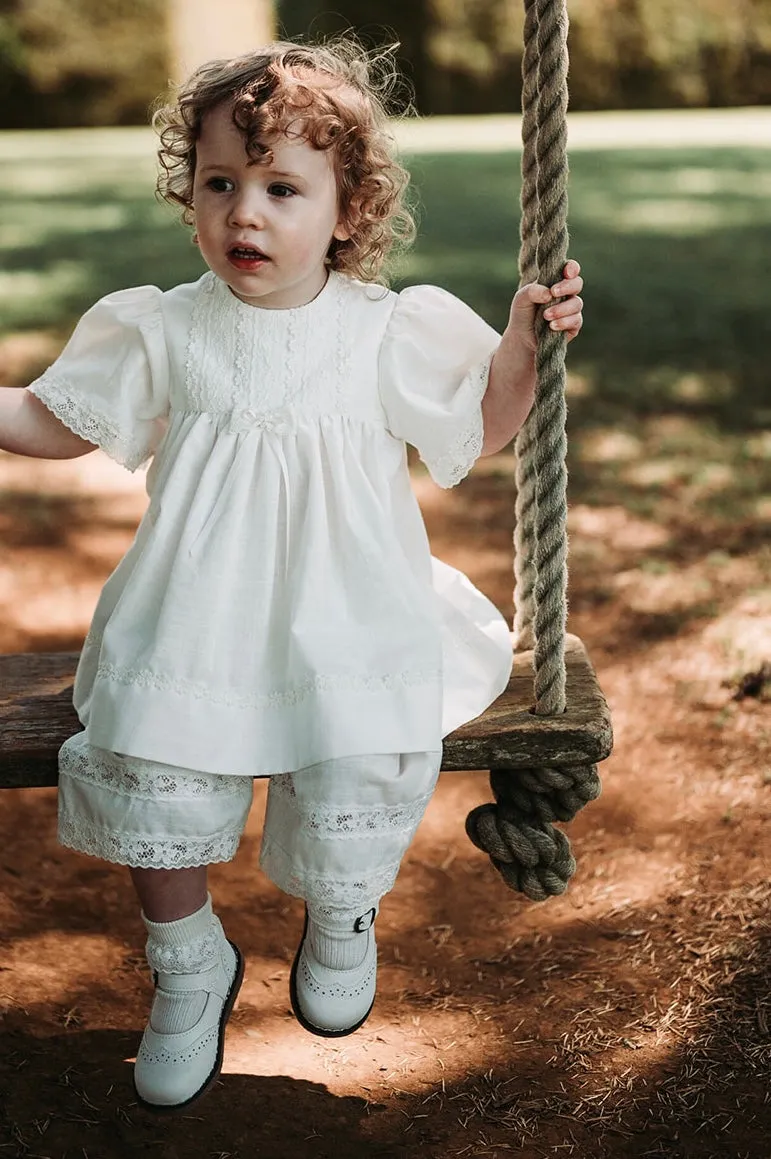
{"x": 455, "y": 463}
{"x": 240, "y": 355}
{"x": 323, "y": 682}
{"x": 196, "y": 370}
{"x": 149, "y": 780}
{"x": 142, "y": 851}
{"x": 352, "y": 821}
{"x": 190, "y": 958}
{"x": 61, "y": 398}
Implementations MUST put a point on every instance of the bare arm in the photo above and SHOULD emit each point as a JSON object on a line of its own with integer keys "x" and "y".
{"x": 28, "y": 427}
{"x": 511, "y": 386}
{"x": 509, "y": 395}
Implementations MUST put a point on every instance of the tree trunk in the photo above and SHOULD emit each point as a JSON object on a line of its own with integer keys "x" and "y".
{"x": 200, "y": 30}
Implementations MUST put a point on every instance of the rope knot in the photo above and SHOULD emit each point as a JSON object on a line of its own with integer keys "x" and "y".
{"x": 518, "y": 832}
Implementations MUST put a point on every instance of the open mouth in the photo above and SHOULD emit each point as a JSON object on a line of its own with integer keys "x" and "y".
{"x": 246, "y": 254}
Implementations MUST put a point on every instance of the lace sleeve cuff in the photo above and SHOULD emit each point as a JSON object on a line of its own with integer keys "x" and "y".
{"x": 87, "y": 422}
{"x": 455, "y": 462}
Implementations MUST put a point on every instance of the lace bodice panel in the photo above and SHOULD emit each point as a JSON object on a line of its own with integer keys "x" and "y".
{"x": 272, "y": 368}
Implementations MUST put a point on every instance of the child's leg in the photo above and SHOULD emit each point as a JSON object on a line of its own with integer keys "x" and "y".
{"x": 335, "y": 835}
{"x": 168, "y": 894}
{"x": 167, "y": 825}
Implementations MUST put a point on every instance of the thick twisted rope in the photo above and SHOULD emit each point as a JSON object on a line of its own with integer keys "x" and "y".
{"x": 550, "y": 410}
{"x": 524, "y": 512}
{"x": 518, "y": 830}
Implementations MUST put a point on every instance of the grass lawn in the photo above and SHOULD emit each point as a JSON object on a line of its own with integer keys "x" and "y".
{"x": 674, "y": 239}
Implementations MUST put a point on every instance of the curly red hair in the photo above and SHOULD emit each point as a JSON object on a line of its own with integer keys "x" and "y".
{"x": 334, "y": 95}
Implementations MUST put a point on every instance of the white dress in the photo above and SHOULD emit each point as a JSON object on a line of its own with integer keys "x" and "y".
{"x": 279, "y": 605}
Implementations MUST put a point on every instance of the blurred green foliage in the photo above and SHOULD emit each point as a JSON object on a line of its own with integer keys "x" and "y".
{"x": 80, "y": 62}
{"x": 464, "y": 56}
{"x": 100, "y": 62}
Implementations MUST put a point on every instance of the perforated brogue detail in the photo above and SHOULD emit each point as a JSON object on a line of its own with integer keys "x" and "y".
{"x": 165, "y": 1057}
{"x": 338, "y": 990}
{"x": 331, "y": 1002}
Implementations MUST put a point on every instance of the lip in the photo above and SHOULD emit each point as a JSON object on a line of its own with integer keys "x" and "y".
{"x": 240, "y": 262}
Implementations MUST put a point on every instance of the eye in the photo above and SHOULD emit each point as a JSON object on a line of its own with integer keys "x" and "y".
{"x": 280, "y": 190}
{"x": 220, "y": 185}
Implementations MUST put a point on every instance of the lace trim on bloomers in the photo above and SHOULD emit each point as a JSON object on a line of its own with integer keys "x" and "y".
{"x": 352, "y": 821}
{"x": 336, "y": 897}
{"x": 456, "y": 462}
{"x": 324, "y": 682}
{"x": 191, "y": 958}
{"x": 147, "y": 780}
{"x": 83, "y": 420}
{"x": 141, "y": 851}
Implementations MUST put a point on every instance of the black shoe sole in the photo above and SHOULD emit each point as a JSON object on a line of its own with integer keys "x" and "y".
{"x": 306, "y": 1025}
{"x": 235, "y": 986}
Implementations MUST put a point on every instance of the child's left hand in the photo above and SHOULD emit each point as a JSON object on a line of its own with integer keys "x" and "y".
{"x": 565, "y": 316}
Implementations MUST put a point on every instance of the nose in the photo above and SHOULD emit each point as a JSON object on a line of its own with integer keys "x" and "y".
{"x": 247, "y": 209}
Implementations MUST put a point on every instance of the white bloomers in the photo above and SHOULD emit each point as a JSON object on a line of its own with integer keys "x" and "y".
{"x": 334, "y": 832}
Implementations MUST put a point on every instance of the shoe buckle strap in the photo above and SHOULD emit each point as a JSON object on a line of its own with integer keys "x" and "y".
{"x": 188, "y": 983}
{"x": 365, "y": 921}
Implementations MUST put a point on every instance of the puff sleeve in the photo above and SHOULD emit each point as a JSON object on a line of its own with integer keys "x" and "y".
{"x": 434, "y": 365}
{"x": 110, "y": 384}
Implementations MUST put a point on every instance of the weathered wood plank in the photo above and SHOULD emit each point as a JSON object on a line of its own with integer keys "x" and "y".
{"x": 36, "y": 717}
{"x": 509, "y": 735}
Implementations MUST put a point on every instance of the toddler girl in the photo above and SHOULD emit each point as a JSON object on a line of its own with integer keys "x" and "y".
{"x": 278, "y": 613}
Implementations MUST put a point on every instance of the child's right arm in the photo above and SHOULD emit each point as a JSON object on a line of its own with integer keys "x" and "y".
{"x": 28, "y": 427}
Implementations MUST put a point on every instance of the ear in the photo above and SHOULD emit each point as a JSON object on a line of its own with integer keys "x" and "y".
{"x": 341, "y": 231}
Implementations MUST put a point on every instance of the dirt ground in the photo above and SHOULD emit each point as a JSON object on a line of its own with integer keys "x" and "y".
{"x": 628, "y": 1018}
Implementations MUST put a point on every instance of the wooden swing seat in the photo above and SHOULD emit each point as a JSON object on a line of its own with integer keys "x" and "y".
{"x": 36, "y": 717}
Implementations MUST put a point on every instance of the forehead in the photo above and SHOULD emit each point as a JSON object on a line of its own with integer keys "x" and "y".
{"x": 221, "y": 142}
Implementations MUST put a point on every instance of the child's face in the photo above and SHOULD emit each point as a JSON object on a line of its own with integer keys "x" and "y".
{"x": 264, "y": 229}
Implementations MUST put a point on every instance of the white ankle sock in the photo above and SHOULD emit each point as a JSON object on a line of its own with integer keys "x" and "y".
{"x": 185, "y": 946}
{"x": 337, "y": 949}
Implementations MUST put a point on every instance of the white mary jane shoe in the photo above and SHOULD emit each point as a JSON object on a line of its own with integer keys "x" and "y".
{"x": 172, "y": 1070}
{"x": 333, "y": 1003}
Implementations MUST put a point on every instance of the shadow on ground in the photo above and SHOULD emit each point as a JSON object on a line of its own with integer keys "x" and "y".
{"x": 80, "y": 1078}
{"x": 636, "y": 1031}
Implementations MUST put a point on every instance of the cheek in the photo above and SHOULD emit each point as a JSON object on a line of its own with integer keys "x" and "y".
{"x": 308, "y": 236}
{"x": 206, "y": 223}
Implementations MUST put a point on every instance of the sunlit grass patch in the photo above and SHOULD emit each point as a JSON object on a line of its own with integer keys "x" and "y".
{"x": 41, "y": 288}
